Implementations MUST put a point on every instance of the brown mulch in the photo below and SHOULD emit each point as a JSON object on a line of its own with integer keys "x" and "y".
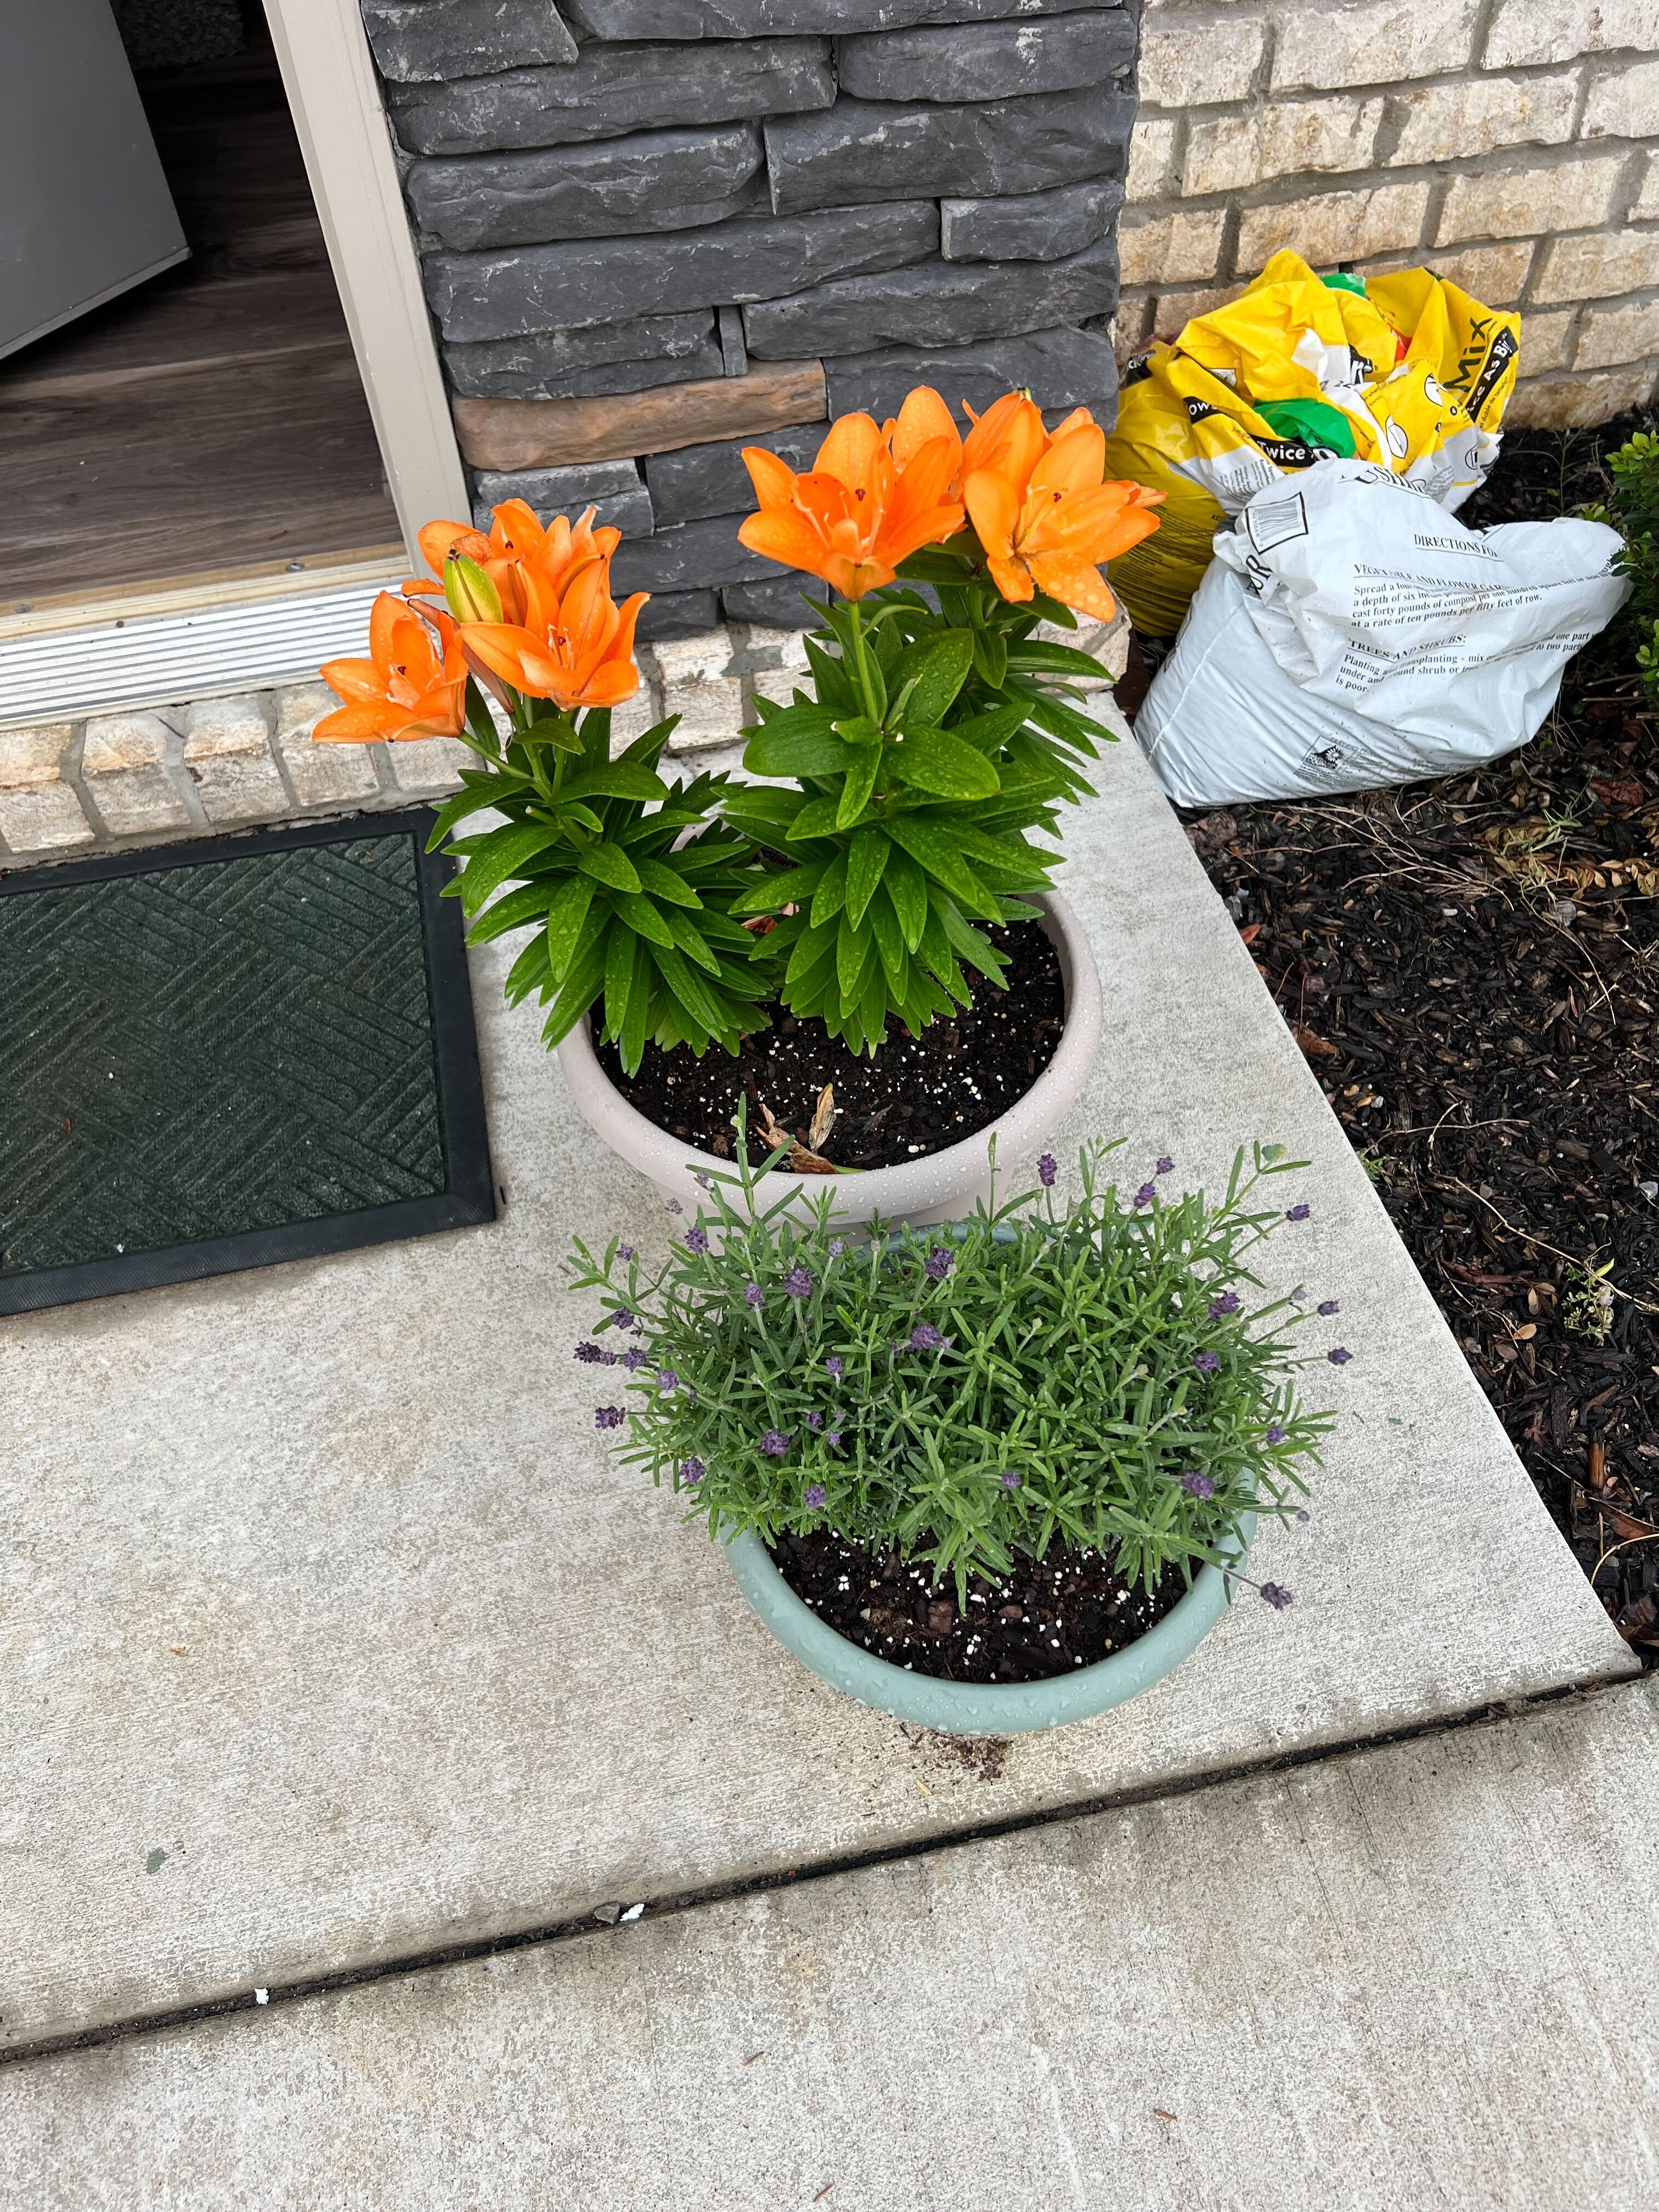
{"x": 1471, "y": 970}
{"x": 915, "y": 1096}
{"x": 1047, "y": 1617}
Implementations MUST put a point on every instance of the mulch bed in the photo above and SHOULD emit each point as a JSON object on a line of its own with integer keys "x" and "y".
{"x": 1049, "y": 1616}
{"x": 1472, "y": 969}
{"x": 917, "y": 1096}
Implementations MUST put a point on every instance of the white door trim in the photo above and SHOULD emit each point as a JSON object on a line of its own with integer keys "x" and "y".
{"x": 328, "y": 76}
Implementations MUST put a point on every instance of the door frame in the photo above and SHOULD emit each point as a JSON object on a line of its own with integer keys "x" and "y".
{"x": 334, "y": 94}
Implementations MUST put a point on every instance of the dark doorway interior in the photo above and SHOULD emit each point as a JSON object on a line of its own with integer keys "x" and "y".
{"x": 211, "y": 420}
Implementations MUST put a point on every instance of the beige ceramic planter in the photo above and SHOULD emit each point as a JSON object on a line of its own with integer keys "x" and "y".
{"x": 944, "y": 1187}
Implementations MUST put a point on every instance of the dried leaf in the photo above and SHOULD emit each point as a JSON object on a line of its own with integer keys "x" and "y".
{"x": 1313, "y": 1048}
{"x": 823, "y": 1118}
{"x": 1619, "y": 790}
{"x": 1251, "y": 931}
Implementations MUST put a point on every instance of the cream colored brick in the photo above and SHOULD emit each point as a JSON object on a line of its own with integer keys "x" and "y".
{"x": 32, "y": 756}
{"x": 1610, "y": 336}
{"x": 1152, "y": 157}
{"x": 1598, "y": 267}
{"x": 1325, "y": 48}
{"x": 213, "y": 727}
{"x": 114, "y": 742}
{"x": 1173, "y": 311}
{"x": 136, "y": 802}
{"x": 1647, "y": 206}
{"x": 1572, "y": 402}
{"x": 1132, "y": 325}
{"x": 325, "y": 774}
{"x": 1544, "y": 341}
{"x": 1108, "y": 642}
{"x": 41, "y": 817}
{"x": 1444, "y": 121}
{"x": 776, "y": 684}
{"x": 1333, "y": 226}
{"x": 1623, "y": 103}
{"x": 1170, "y": 247}
{"x": 1514, "y": 203}
{"x": 426, "y": 766}
{"x": 693, "y": 659}
{"x": 1197, "y": 63}
{"x": 1491, "y": 274}
{"x": 1530, "y": 31}
{"x": 633, "y": 718}
{"x": 710, "y": 710}
{"x": 1226, "y": 153}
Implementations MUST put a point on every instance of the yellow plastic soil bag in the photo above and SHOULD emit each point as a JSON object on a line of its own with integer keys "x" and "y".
{"x": 1410, "y": 372}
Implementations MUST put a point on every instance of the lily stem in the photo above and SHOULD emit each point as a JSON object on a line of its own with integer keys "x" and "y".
{"x": 861, "y": 661}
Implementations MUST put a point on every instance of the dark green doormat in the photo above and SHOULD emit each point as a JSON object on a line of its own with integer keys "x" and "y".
{"x": 219, "y": 1054}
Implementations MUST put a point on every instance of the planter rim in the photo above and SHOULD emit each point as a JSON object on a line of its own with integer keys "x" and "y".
{"x": 910, "y": 1186}
{"x": 976, "y": 1708}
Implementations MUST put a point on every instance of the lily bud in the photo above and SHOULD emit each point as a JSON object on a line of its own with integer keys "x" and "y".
{"x": 472, "y": 597}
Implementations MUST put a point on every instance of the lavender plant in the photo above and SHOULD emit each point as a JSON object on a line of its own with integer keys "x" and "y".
{"x": 1105, "y": 1369}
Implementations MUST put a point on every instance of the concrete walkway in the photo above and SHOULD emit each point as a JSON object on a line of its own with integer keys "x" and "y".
{"x": 1420, "y": 1976}
{"x": 332, "y": 1636}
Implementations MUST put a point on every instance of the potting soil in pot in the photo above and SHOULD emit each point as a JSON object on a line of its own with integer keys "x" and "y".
{"x": 1047, "y": 1617}
{"x": 917, "y": 1096}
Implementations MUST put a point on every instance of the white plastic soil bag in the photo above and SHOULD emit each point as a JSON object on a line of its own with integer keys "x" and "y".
{"x": 1350, "y": 633}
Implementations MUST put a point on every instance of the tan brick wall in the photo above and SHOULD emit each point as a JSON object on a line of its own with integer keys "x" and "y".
{"x": 1511, "y": 144}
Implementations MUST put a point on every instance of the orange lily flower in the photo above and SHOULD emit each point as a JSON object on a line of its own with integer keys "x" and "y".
{"x": 414, "y": 686}
{"x": 574, "y": 645}
{"x": 1044, "y": 516}
{"x": 516, "y": 539}
{"x": 871, "y": 499}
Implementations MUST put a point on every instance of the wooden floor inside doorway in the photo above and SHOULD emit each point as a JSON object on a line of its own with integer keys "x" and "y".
{"x": 213, "y": 418}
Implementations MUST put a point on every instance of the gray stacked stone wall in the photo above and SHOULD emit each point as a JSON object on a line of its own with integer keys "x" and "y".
{"x": 611, "y": 196}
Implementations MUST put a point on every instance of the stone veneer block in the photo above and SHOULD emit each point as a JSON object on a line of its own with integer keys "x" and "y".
{"x": 677, "y": 614}
{"x": 688, "y": 556}
{"x": 228, "y": 758}
{"x": 613, "y": 91}
{"x": 861, "y": 151}
{"x": 553, "y": 360}
{"x": 582, "y": 282}
{"x": 776, "y": 604}
{"x": 123, "y": 767}
{"x": 1030, "y": 226}
{"x": 613, "y": 487}
{"x": 698, "y": 686}
{"x": 428, "y": 764}
{"x": 33, "y": 756}
{"x": 425, "y": 41}
{"x": 936, "y": 303}
{"x": 325, "y": 774}
{"x": 748, "y": 19}
{"x": 1059, "y": 368}
{"x": 988, "y": 61}
{"x": 734, "y": 352}
{"x": 534, "y": 434}
{"x": 473, "y": 381}
{"x": 704, "y": 480}
{"x": 653, "y": 180}
{"x": 42, "y": 817}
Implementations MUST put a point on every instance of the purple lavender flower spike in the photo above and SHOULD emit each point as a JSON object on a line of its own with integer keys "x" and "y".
{"x": 814, "y": 1496}
{"x": 1303, "y": 1514}
{"x": 1208, "y": 1362}
{"x": 1227, "y": 1303}
{"x": 1340, "y": 1356}
{"x": 1008, "y": 1479}
{"x": 837, "y": 1246}
{"x": 1196, "y": 1485}
{"x": 667, "y": 1379}
{"x": 1146, "y": 1193}
{"x": 815, "y": 1419}
{"x": 623, "y": 1318}
{"x": 1276, "y": 1595}
{"x": 832, "y": 1437}
{"x": 1048, "y": 1169}
{"x": 625, "y": 1251}
{"x": 1297, "y": 1213}
{"x": 775, "y": 1443}
{"x": 692, "y": 1472}
{"x": 609, "y": 1417}
{"x": 798, "y": 1283}
{"x": 1273, "y": 1434}
{"x": 633, "y": 1359}
{"x": 924, "y": 1337}
{"x": 591, "y": 1356}
{"x": 1165, "y": 1166}
{"x": 1328, "y": 1307}
{"x": 674, "y": 1206}
{"x": 696, "y": 1240}
{"x": 835, "y": 1365}
{"x": 938, "y": 1264}
{"x": 752, "y": 1294}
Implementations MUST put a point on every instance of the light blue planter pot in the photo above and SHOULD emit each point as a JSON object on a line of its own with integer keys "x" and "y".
{"x": 976, "y": 1708}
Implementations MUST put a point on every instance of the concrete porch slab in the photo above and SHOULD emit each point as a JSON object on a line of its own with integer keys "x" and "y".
{"x": 330, "y": 1635}
{"x": 1426, "y": 1973}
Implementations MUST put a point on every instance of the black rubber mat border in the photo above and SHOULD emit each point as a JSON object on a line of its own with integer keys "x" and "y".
{"x": 468, "y": 1197}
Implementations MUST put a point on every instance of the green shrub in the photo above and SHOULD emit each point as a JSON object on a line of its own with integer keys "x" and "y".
{"x": 1092, "y": 1370}
{"x": 1633, "y": 511}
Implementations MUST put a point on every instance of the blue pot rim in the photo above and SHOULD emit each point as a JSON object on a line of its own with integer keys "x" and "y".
{"x": 974, "y": 1708}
